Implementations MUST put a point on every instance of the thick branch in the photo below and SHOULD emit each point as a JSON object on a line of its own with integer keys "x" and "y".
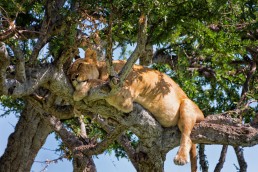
{"x": 214, "y": 130}
{"x": 68, "y": 138}
{"x": 5, "y": 61}
{"x": 139, "y": 50}
{"x": 37, "y": 79}
{"x": 217, "y": 129}
{"x": 20, "y": 74}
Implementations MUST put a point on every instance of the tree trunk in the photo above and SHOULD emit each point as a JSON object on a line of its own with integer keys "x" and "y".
{"x": 146, "y": 164}
{"x": 83, "y": 164}
{"x": 23, "y": 145}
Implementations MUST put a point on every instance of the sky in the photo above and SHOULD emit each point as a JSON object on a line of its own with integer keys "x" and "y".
{"x": 109, "y": 163}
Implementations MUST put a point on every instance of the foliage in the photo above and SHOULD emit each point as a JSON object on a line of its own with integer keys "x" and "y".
{"x": 11, "y": 105}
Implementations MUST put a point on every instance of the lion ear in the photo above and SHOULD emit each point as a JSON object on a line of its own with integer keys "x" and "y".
{"x": 90, "y": 56}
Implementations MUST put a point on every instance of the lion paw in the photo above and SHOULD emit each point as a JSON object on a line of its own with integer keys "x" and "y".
{"x": 78, "y": 95}
{"x": 179, "y": 160}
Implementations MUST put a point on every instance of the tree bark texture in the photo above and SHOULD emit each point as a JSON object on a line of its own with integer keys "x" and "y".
{"x": 81, "y": 162}
{"x": 24, "y": 143}
{"x": 240, "y": 158}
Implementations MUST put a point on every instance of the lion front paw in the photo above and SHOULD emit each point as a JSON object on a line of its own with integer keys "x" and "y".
{"x": 180, "y": 160}
{"x": 77, "y": 96}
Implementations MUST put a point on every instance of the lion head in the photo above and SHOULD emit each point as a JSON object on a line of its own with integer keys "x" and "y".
{"x": 84, "y": 69}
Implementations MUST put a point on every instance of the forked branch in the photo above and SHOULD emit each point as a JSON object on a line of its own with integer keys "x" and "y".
{"x": 139, "y": 50}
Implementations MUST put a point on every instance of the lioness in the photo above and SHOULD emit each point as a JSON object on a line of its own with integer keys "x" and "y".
{"x": 154, "y": 90}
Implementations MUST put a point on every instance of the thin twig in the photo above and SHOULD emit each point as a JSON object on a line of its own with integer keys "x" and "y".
{"x": 48, "y": 162}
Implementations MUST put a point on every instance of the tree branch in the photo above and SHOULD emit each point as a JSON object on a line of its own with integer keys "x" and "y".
{"x": 52, "y": 23}
{"x": 138, "y": 51}
{"x": 248, "y": 77}
{"x": 5, "y": 61}
{"x": 202, "y": 157}
{"x": 109, "y": 59}
{"x": 68, "y": 138}
{"x": 37, "y": 78}
{"x": 102, "y": 146}
{"x": 222, "y": 158}
{"x": 6, "y": 34}
{"x": 240, "y": 157}
{"x": 122, "y": 139}
{"x": 80, "y": 162}
{"x": 20, "y": 74}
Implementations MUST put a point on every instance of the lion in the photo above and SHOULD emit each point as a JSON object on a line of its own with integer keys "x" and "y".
{"x": 154, "y": 90}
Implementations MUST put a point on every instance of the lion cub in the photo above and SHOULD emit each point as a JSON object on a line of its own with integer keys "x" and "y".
{"x": 154, "y": 90}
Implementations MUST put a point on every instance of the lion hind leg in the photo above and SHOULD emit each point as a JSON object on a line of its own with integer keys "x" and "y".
{"x": 187, "y": 118}
{"x": 193, "y": 158}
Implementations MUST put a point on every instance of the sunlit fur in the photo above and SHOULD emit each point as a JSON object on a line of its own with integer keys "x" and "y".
{"x": 154, "y": 90}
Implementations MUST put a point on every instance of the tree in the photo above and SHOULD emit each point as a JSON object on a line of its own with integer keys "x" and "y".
{"x": 208, "y": 47}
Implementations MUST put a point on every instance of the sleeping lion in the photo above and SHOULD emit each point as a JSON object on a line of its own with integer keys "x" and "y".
{"x": 154, "y": 90}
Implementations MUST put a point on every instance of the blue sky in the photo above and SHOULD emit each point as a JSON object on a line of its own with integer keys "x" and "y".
{"x": 109, "y": 163}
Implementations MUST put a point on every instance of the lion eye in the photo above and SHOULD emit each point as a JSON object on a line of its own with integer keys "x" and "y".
{"x": 75, "y": 77}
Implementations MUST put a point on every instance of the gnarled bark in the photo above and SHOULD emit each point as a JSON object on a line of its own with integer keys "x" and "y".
{"x": 23, "y": 145}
